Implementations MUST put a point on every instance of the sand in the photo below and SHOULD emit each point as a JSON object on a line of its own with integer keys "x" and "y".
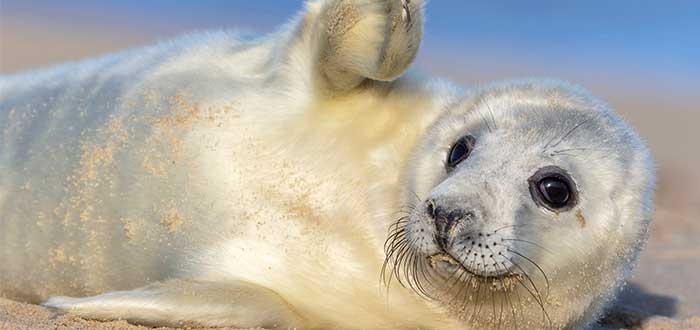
{"x": 20, "y": 316}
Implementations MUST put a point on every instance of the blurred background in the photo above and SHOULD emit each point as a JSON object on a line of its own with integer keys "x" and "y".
{"x": 643, "y": 57}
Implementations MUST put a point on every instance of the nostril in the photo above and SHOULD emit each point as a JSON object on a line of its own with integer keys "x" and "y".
{"x": 430, "y": 208}
{"x": 454, "y": 215}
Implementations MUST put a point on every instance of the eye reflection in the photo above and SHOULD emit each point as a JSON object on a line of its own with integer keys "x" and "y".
{"x": 460, "y": 151}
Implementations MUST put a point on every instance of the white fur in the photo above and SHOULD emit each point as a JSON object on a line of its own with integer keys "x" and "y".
{"x": 219, "y": 181}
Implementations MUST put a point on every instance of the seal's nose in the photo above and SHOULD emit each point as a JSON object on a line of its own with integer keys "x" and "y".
{"x": 447, "y": 218}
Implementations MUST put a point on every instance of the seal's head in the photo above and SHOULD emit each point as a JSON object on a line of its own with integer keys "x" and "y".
{"x": 534, "y": 200}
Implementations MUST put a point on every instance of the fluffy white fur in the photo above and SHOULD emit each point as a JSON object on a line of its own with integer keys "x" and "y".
{"x": 218, "y": 181}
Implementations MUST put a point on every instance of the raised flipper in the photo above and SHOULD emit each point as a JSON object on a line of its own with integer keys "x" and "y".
{"x": 364, "y": 39}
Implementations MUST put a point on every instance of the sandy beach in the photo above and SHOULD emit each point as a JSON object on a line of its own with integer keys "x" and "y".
{"x": 19, "y": 316}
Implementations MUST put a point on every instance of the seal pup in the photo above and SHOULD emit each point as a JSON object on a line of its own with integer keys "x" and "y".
{"x": 220, "y": 181}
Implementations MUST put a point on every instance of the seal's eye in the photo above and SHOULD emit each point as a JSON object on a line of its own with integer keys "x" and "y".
{"x": 552, "y": 188}
{"x": 555, "y": 191}
{"x": 460, "y": 151}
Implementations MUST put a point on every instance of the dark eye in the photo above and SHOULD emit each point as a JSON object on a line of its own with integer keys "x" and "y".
{"x": 460, "y": 151}
{"x": 555, "y": 191}
{"x": 552, "y": 188}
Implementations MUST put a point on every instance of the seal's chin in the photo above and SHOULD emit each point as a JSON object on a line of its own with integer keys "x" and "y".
{"x": 446, "y": 262}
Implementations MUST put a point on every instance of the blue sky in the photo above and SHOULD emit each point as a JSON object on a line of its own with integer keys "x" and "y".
{"x": 664, "y": 35}
{"x": 638, "y": 42}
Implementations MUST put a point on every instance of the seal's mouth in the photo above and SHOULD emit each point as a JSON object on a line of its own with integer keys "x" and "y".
{"x": 500, "y": 282}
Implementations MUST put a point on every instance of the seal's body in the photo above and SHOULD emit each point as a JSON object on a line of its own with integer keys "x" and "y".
{"x": 219, "y": 181}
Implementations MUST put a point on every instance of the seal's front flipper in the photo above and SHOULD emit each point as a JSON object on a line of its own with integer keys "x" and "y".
{"x": 359, "y": 39}
{"x": 186, "y": 303}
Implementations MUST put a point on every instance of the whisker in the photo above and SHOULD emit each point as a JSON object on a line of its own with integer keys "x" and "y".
{"x": 418, "y": 199}
{"x": 528, "y": 242}
{"x": 398, "y": 229}
{"x": 388, "y": 261}
{"x": 493, "y": 118}
{"x": 546, "y": 279}
{"x": 419, "y": 284}
{"x": 414, "y": 261}
{"x": 394, "y": 235}
{"x": 544, "y": 312}
{"x": 396, "y": 240}
{"x": 407, "y": 267}
{"x": 537, "y": 297}
{"x": 465, "y": 284}
{"x": 563, "y": 154}
{"x": 506, "y": 227}
{"x": 396, "y": 245}
{"x": 493, "y": 295}
{"x": 426, "y": 273}
{"x": 449, "y": 278}
{"x": 485, "y": 121}
{"x": 517, "y": 294}
{"x": 507, "y": 295}
{"x": 401, "y": 211}
{"x": 462, "y": 287}
{"x": 576, "y": 149}
{"x": 401, "y": 262}
{"x": 481, "y": 303}
{"x": 493, "y": 305}
{"x": 539, "y": 302}
{"x": 529, "y": 279}
{"x": 473, "y": 282}
{"x": 571, "y": 131}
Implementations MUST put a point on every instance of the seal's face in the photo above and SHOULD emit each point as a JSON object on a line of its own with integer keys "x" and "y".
{"x": 518, "y": 200}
